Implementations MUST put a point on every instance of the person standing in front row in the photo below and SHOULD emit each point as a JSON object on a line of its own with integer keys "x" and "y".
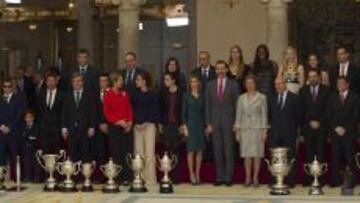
{"x": 192, "y": 114}
{"x": 342, "y": 116}
{"x": 147, "y": 115}
{"x": 119, "y": 114}
{"x": 251, "y": 128}
{"x": 220, "y": 107}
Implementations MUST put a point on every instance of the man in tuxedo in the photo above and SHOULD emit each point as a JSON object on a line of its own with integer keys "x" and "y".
{"x": 284, "y": 118}
{"x": 313, "y": 99}
{"x": 78, "y": 119}
{"x": 205, "y": 72}
{"x": 49, "y": 106}
{"x": 25, "y": 85}
{"x": 130, "y": 72}
{"x": 12, "y": 107}
{"x": 345, "y": 68}
{"x": 220, "y": 107}
{"x": 342, "y": 116}
{"x": 89, "y": 73}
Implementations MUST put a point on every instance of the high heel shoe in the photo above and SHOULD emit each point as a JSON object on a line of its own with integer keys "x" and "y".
{"x": 247, "y": 184}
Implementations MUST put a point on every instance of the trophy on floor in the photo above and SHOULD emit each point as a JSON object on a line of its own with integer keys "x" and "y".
{"x": 49, "y": 165}
{"x": 87, "y": 169}
{"x": 279, "y": 167}
{"x": 137, "y": 163}
{"x": 111, "y": 170}
{"x": 347, "y": 188}
{"x": 68, "y": 168}
{"x": 3, "y": 172}
{"x": 316, "y": 170}
{"x": 358, "y": 160}
{"x": 18, "y": 187}
{"x": 166, "y": 164}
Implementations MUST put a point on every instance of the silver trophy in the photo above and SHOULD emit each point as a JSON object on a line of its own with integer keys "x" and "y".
{"x": 18, "y": 187}
{"x": 137, "y": 163}
{"x": 279, "y": 167}
{"x": 111, "y": 170}
{"x": 68, "y": 168}
{"x": 166, "y": 164}
{"x": 3, "y": 172}
{"x": 48, "y": 163}
{"x": 87, "y": 169}
{"x": 316, "y": 170}
{"x": 358, "y": 160}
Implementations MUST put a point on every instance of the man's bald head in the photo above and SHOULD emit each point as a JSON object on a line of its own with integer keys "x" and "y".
{"x": 280, "y": 85}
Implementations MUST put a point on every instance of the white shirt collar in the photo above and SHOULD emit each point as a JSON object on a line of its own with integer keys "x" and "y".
{"x": 344, "y": 94}
{"x": 84, "y": 67}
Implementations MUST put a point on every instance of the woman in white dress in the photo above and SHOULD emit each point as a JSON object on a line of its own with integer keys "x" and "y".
{"x": 251, "y": 129}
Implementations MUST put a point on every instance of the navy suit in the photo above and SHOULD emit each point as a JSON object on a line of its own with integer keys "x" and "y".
{"x": 28, "y": 89}
{"x": 91, "y": 77}
{"x": 130, "y": 85}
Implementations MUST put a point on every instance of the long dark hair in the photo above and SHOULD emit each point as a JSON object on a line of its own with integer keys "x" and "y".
{"x": 168, "y": 63}
{"x": 257, "y": 60}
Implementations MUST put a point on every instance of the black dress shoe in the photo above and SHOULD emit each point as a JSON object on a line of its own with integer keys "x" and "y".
{"x": 218, "y": 183}
{"x": 229, "y": 183}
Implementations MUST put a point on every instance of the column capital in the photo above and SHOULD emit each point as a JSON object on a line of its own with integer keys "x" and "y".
{"x": 276, "y": 1}
{"x": 129, "y": 4}
{"x": 2, "y": 4}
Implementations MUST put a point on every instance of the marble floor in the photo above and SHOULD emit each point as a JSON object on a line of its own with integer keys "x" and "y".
{"x": 183, "y": 193}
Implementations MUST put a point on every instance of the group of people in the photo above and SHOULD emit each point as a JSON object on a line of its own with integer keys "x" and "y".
{"x": 95, "y": 116}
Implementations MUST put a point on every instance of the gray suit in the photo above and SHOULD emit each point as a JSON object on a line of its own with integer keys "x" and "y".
{"x": 221, "y": 116}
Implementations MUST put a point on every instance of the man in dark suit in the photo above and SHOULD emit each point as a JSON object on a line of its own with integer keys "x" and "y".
{"x": 313, "y": 99}
{"x": 12, "y": 107}
{"x": 49, "y": 105}
{"x": 342, "y": 117}
{"x": 25, "y": 85}
{"x": 205, "y": 72}
{"x": 284, "y": 119}
{"x": 89, "y": 73}
{"x": 220, "y": 107}
{"x": 345, "y": 68}
{"x": 78, "y": 120}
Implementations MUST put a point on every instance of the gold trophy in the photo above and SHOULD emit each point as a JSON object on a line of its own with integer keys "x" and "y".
{"x": 137, "y": 163}
{"x": 316, "y": 170}
{"x": 280, "y": 168}
{"x": 111, "y": 170}
{"x": 68, "y": 168}
{"x": 3, "y": 172}
{"x": 87, "y": 170}
{"x": 166, "y": 164}
{"x": 49, "y": 165}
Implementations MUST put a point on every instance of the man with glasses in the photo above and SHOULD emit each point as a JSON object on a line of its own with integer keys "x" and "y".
{"x": 205, "y": 72}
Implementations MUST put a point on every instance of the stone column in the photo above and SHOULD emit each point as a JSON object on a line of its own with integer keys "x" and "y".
{"x": 85, "y": 25}
{"x": 277, "y": 27}
{"x": 129, "y": 11}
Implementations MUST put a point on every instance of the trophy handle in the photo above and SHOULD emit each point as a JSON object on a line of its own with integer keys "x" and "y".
{"x": 58, "y": 168}
{"x": 118, "y": 168}
{"x": 174, "y": 161}
{"x": 306, "y": 168}
{"x": 77, "y": 167}
{"x": 325, "y": 165}
{"x": 128, "y": 160}
{"x": 292, "y": 163}
{"x": 93, "y": 165}
{"x": 102, "y": 168}
{"x": 268, "y": 163}
{"x": 39, "y": 158}
{"x": 157, "y": 160}
{"x": 62, "y": 154}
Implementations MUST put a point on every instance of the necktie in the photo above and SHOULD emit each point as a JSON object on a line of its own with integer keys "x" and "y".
{"x": 6, "y": 99}
{"x": 281, "y": 100}
{"x": 102, "y": 93}
{"x": 82, "y": 71}
{"x": 49, "y": 103}
{"x": 129, "y": 77}
{"x": 77, "y": 98}
{"x": 221, "y": 90}
{"x": 342, "y": 70}
{"x": 314, "y": 93}
{"x": 342, "y": 98}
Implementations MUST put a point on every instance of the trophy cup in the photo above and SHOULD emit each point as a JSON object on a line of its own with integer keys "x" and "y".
{"x": 280, "y": 168}
{"x": 110, "y": 170}
{"x": 316, "y": 170}
{"x": 166, "y": 164}
{"x": 49, "y": 165}
{"x": 3, "y": 172}
{"x": 87, "y": 169}
{"x": 68, "y": 168}
{"x": 136, "y": 163}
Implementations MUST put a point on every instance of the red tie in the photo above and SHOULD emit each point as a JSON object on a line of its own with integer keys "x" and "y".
{"x": 220, "y": 90}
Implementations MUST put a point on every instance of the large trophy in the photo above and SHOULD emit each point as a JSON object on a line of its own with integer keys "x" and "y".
{"x": 137, "y": 163}
{"x": 316, "y": 170}
{"x": 111, "y": 170}
{"x": 279, "y": 167}
{"x": 87, "y": 170}
{"x": 49, "y": 165}
{"x": 166, "y": 164}
{"x": 3, "y": 172}
{"x": 68, "y": 168}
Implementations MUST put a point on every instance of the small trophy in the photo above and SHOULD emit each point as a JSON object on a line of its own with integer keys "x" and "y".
{"x": 137, "y": 165}
{"x": 87, "y": 170}
{"x": 111, "y": 170}
{"x": 165, "y": 164}
{"x": 3, "y": 172}
{"x": 280, "y": 168}
{"x": 18, "y": 187}
{"x": 347, "y": 188}
{"x": 49, "y": 165}
{"x": 68, "y": 168}
{"x": 316, "y": 170}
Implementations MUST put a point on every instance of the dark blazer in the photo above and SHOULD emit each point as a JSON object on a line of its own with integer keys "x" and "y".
{"x": 284, "y": 122}
{"x": 345, "y": 115}
{"x": 198, "y": 73}
{"x": 11, "y": 113}
{"x": 313, "y": 110}
{"x": 100, "y": 118}
{"x": 28, "y": 89}
{"x": 131, "y": 87}
{"x": 81, "y": 118}
{"x": 91, "y": 77}
{"x": 353, "y": 76}
{"x": 164, "y": 105}
{"x": 29, "y": 135}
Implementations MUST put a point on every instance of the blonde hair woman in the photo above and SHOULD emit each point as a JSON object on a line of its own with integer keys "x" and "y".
{"x": 237, "y": 67}
{"x": 291, "y": 71}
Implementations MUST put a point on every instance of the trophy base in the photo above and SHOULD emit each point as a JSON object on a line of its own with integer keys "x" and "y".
{"x": 279, "y": 191}
{"x": 347, "y": 191}
{"x": 50, "y": 189}
{"x": 17, "y": 189}
{"x": 166, "y": 188}
{"x": 316, "y": 190}
{"x": 137, "y": 190}
{"x": 111, "y": 190}
{"x": 87, "y": 189}
{"x": 68, "y": 189}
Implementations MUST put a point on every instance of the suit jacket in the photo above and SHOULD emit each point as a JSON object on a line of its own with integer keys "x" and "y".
{"x": 131, "y": 87}
{"x": 29, "y": 135}
{"x": 284, "y": 121}
{"x": 217, "y": 112}
{"x": 82, "y": 117}
{"x": 181, "y": 82}
{"x": 345, "y": 115}
{"x": 353, "y": 76}
{"x": 313, "y": 110}
{"x": 164, "y": 104}
{"x": 91, "y": 77}
{"x": 11, "y": 113}
{"x": 198, "y": 73}
{"x": 28, "y": 89}
{"x": 100, "y": 118}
